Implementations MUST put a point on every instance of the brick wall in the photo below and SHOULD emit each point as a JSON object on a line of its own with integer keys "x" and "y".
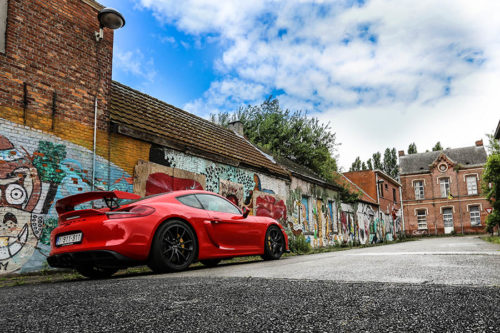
{"x": 53, "y": 63}
{"x": 460, "y": 201}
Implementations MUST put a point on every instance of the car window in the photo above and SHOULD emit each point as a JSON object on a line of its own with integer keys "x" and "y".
{"x": 217, "y": 204}
{"x": 190, "y": 200}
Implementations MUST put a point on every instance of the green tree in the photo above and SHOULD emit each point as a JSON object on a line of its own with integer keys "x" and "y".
{"x": 412, "y": 148}
{"x": 369, "y": 164}
{"x": 356, "y": 165}
{"x": 363, "y": 166}
{"x": 377, "y": 161}
{"x": 284, "y": 133}
{"x": 491, "y": 184}
{"x": 437, "y": 146}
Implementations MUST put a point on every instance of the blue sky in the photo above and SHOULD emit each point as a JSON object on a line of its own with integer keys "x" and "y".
{"x": 383, "y": 73}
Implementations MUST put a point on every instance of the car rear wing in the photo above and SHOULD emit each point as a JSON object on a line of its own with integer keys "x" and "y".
{"x": 68, "y": 204}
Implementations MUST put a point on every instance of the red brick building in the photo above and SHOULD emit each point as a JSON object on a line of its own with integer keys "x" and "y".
{"x": 442, "y": 191}
{"x": 387, "y": 191}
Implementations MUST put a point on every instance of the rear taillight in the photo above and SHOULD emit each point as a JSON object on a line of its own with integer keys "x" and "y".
{"x": 135, "y": 211}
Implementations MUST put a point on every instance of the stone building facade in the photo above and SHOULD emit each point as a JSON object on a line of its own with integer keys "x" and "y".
{"x": 442, "y": 191}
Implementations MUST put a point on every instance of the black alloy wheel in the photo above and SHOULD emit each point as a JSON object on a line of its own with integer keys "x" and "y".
{"x": 174, "y": 247}
{"x": 274, "y": 244}
{"x": 93, "y": 272}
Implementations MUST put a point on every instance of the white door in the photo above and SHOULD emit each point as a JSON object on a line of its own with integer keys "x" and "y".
{"x": 448, "y": 220}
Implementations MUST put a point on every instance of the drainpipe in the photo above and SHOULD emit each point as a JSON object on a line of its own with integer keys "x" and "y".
{"x": 459, "y": 206}
{"x": 95, "y": 139}
{"x": 402, "y": 209}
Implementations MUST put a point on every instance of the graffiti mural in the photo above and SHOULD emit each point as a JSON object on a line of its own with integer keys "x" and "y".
{"x": 37, "y": 169}
{"x": 377, "y": 231}
{"x": 269, "y": 205}
{"x": 232, "y": 191}
{"x": 365, "y": 217}
{"x": 162, "y": 183}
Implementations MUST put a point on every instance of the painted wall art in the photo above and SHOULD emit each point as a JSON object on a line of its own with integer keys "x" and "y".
{"x": 37, "y": 169}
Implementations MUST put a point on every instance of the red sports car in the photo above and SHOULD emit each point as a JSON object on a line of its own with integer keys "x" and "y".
{"x": 167, "y": 232}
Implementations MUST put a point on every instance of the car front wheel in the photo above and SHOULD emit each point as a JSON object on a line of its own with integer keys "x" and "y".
{"x": 274, "y": 245}
{"x": 174, "y": 247}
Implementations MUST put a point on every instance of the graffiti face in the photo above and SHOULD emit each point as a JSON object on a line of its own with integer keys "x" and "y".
{"x": 20, "y": 224}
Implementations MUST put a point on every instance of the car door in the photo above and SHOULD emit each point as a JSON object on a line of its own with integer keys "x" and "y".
{"x": 231, "y": 231}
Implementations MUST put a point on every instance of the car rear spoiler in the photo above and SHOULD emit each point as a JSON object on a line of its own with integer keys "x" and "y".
{"x": 68, "y": 204}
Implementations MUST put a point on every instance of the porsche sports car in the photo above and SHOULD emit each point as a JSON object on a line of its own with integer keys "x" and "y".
{"x": 167, "y": 232}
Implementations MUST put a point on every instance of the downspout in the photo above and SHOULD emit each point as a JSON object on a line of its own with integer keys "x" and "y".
{"x": 434, "y": 205}
{"x": 95, "y": 140}
{"x": 402, "y": 209}
{"x": 459, "y": 206}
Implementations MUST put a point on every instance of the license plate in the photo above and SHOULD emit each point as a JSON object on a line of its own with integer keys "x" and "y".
{"x": 69, "y": 239}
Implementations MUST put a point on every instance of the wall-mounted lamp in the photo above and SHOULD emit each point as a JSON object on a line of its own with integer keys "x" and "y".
{"x": 108, "y": 18}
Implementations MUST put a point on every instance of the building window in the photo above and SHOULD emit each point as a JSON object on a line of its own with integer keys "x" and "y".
{"x": 3, "y": 24}
{"x": 422, "y": 219}
{"x": 381, "y": 189}
{"x": 394, "y": 194}
{"x": 448, "y": 217}
{"x": 419, "y": 189}
{"x": 475, "y": 216}
{"x": 471, "y": 185}
{"x": 444, "y": 184}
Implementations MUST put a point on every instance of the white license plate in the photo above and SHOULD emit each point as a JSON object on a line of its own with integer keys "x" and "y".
{"x": 69, "y": 239}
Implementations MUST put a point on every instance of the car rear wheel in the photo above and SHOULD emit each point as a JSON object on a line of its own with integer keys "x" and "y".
{"x": 210, "y": 262}
{"x": 93, "y": 272}
{"x": 274, "y": 245}
{"x": 174, "y": 247}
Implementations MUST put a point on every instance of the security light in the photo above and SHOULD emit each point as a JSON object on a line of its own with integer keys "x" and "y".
{"x": 108, "y": 18}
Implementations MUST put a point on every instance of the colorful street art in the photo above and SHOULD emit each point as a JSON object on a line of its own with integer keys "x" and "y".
{"x": 37, "y": 169}
{"x": 162, "y": 183}
{"x": 365, "y": 215}
{"x": 232, "y": 191}
{"x": 269, "y": 205}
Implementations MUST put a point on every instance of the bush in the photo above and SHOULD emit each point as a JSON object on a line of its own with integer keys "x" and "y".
{"x": 298, "y": 244}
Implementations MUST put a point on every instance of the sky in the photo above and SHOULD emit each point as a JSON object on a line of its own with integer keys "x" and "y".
{"x": 382, "y": 73}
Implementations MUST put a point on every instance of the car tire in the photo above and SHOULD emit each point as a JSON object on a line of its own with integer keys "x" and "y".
{"x": 210, "y": 262}
{"x": 174, "y": 247}
{"x": 274, "y": 244}
{"x": 93, "y": 272}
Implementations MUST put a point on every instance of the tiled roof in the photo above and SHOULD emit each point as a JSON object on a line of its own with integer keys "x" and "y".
{"x": 146, "y": 114}
{"x": 299, "y": 169}
{"x": 420, "y": 163}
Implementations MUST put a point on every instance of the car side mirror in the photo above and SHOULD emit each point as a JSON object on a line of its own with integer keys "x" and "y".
{"x": 246, "y": 211}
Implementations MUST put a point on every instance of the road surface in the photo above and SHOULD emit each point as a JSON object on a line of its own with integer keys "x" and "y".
{"x": 432, "y": 285}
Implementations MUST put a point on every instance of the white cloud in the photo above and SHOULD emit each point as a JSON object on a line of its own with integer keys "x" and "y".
{"x": 386, "y": 73}
{"x": 135, "y": 63}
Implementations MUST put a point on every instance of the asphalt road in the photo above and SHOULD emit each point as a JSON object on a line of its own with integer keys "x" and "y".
{"x": 355, "y": 291}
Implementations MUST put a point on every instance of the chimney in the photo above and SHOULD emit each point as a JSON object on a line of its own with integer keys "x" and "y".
{"x": 236, "y": 127}
{"x": 479, "y": 143}
{"x": 401, "y": 153}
